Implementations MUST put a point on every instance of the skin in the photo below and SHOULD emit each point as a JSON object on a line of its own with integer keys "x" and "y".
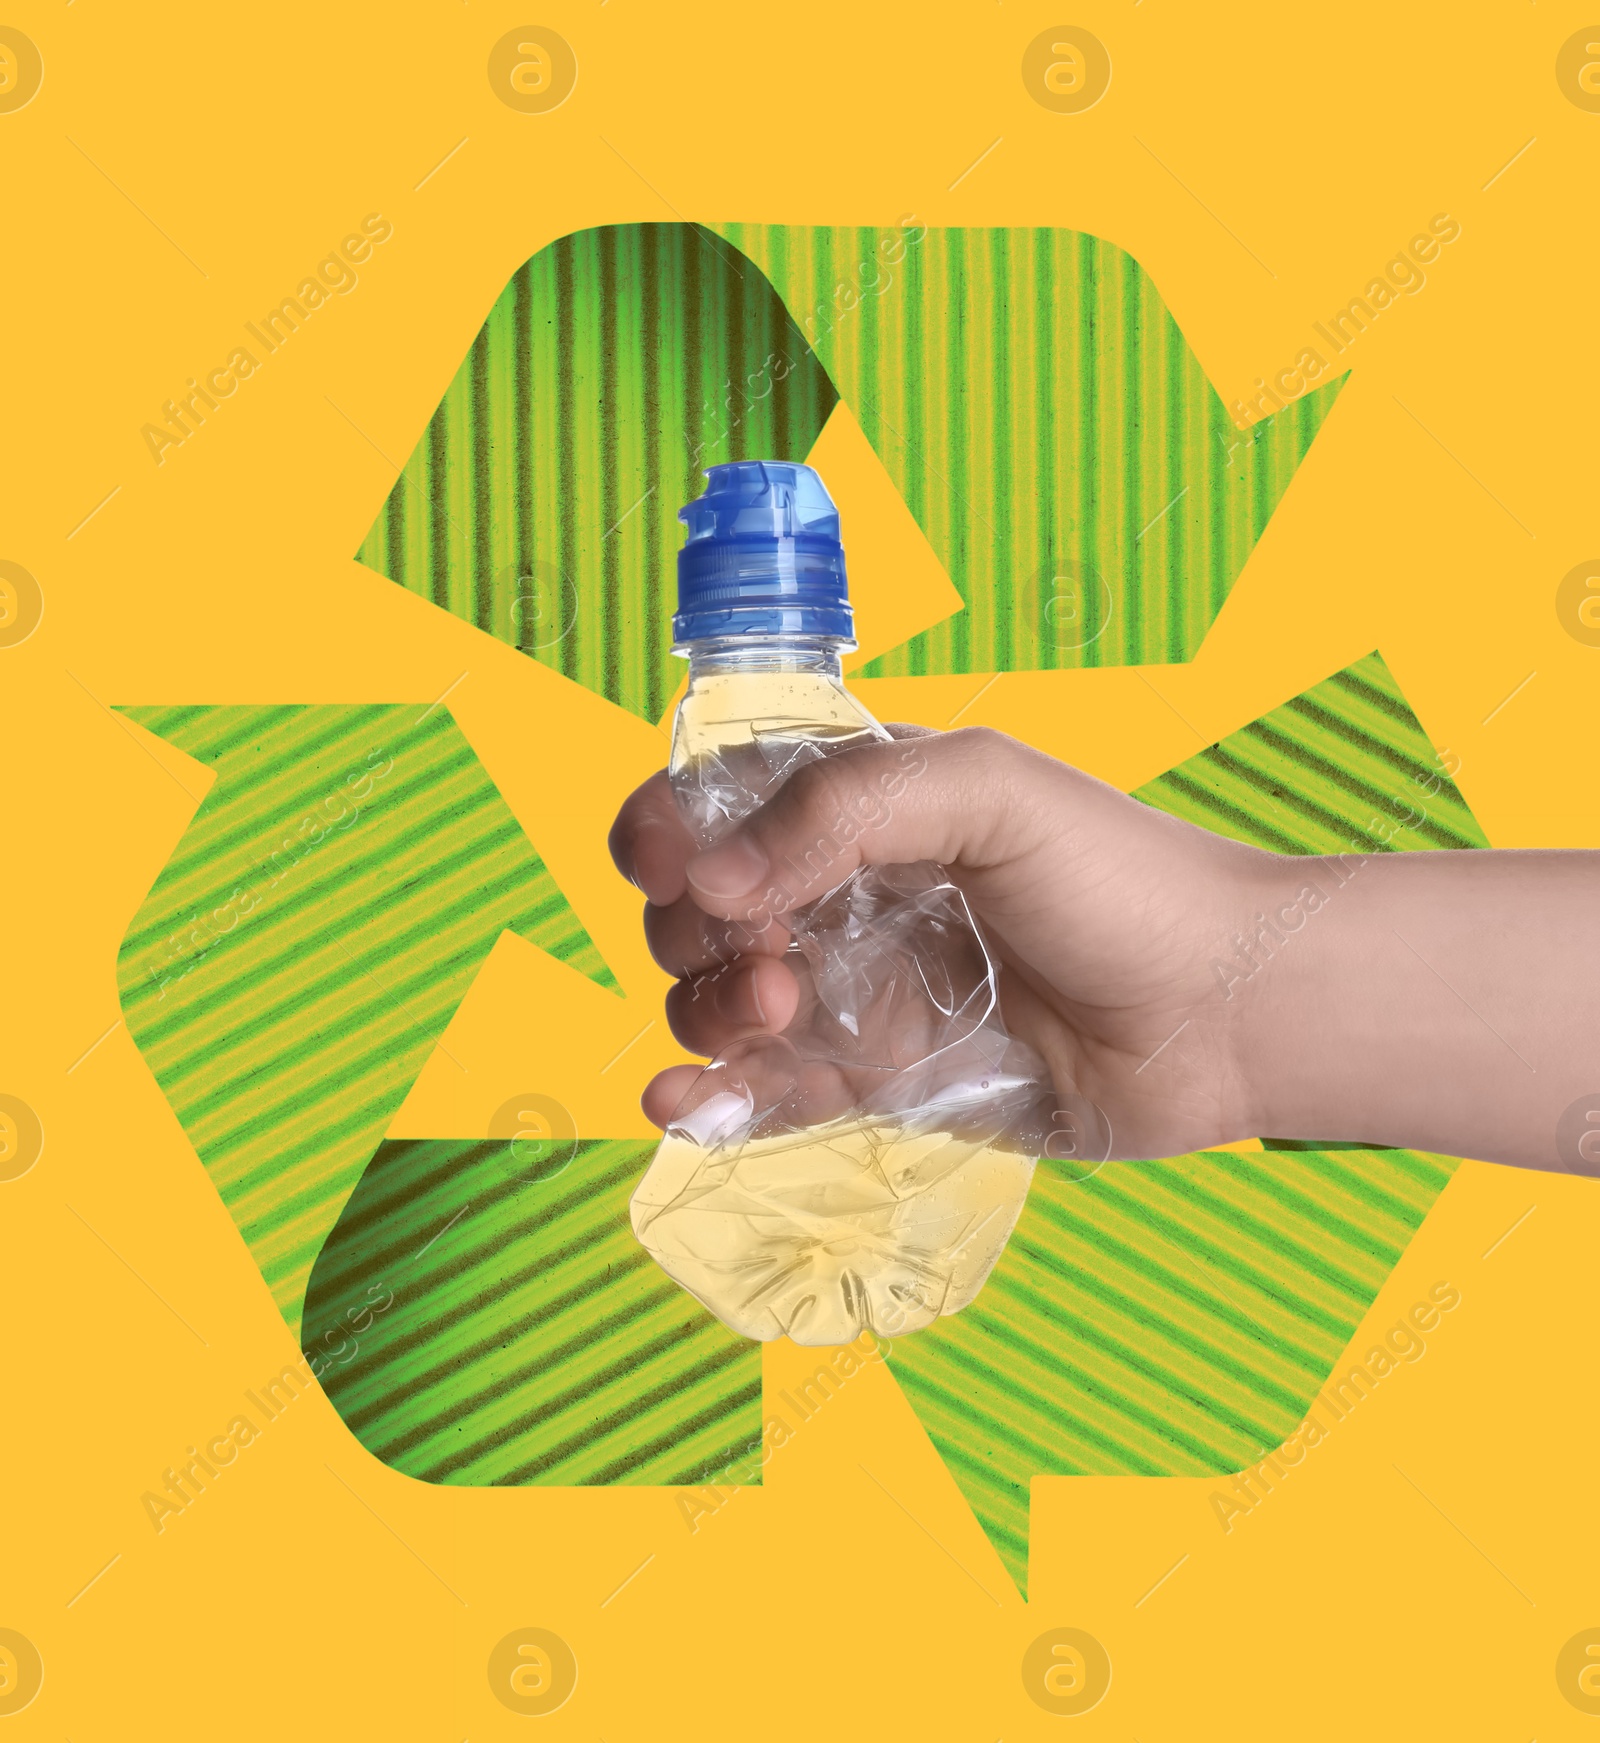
{"x": 1196, "y": 990}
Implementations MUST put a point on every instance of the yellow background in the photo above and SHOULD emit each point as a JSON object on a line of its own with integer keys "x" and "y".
{"x": 178, "y": 174}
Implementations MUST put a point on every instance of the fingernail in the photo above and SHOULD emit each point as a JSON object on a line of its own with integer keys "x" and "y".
{"x": 734, "y": 868}
{"x": 738, "y": 1000}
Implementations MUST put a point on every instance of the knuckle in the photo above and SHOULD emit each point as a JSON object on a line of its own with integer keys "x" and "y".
{"x": 827, "y": 788}
{"x": 689, "y": 1012}
{"x": 985, "y": 744}
{"x": 620, "y": 844}
{"x": 847, "y": 801}
{"x": 816, "y": 802}
{"x": 659, "y": 937}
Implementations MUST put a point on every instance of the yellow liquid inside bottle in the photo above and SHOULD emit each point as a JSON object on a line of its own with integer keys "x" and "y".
{"x": 872, "y": 1194}
{"x": 824, "y": 1234}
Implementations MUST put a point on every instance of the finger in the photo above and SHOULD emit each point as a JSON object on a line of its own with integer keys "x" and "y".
{"x": 754, "y": 995}
{"x": 685, "y": 940}
{"x": 649, "y": 843}
{"x": 665, "y": 1090}
{"x": 796, "y": 1092}
{"x": 972, "y": 798}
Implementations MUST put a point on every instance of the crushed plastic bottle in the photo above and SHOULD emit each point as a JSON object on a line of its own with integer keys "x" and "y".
{"x": 864, "y": 1169}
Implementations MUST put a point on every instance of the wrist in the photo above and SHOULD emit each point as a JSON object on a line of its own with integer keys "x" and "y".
{"x": 1425, "y": 1000}
{"x": 1305, "y": 972}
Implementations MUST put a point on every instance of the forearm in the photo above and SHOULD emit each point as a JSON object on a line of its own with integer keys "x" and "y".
{"x": 1437, "y": 1001}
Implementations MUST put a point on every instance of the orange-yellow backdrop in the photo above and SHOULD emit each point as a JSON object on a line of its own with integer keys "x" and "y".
{"x": 182, "y": 169}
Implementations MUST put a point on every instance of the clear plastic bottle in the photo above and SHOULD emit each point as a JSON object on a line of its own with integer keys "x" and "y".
{"x": 864, "y": 1169}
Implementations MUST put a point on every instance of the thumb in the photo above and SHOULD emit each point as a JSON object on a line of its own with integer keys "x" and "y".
{"x": 969, "y": 798}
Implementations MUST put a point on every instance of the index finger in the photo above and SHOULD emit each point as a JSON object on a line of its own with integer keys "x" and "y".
{"x": 649, "y": 844}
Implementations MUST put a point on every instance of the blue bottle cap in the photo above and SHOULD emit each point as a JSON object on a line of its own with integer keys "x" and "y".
{"x": 763, "y": 556}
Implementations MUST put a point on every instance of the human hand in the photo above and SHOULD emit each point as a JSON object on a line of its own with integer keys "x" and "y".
{"x": 1196, "y": 990}
{"x": 1106, "y": 917}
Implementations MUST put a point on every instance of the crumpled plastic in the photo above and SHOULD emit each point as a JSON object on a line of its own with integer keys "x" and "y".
{"x": 863, "y": 1170}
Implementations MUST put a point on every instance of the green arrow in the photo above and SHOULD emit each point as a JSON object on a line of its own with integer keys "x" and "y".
{"x": 310, "y": 939}
{"x": 1051, "y": 430}
{"x": 531, "y": 1338}
{"x": 541, "y": 501}
{"x": 1177, "y": 1318}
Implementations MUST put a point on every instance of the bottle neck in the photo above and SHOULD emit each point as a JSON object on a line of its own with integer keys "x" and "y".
{"x": 808, "y": 655}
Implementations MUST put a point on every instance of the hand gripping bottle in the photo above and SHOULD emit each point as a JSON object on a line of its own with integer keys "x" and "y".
{"x": 864, "y": 1169}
